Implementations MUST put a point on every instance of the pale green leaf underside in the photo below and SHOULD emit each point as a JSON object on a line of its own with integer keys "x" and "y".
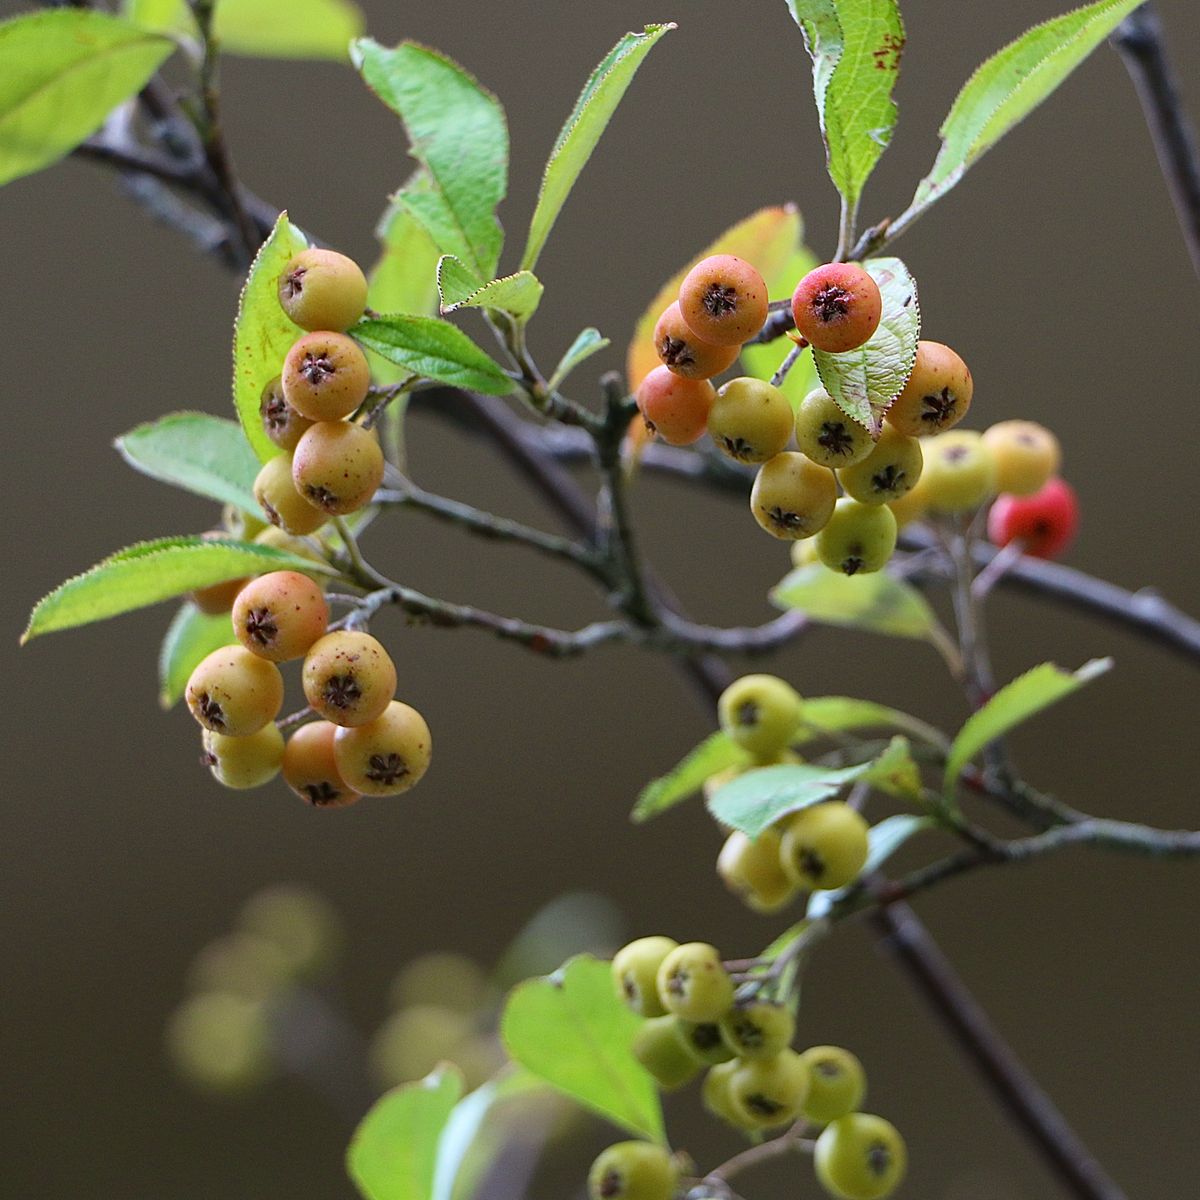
{"x": 1014, "y": 703}
{"x": 191, "y": 636}
{"x": 877, "y": 602}
{"x": 757, "y": 799}
{"x": 1006, "y": 88}
{"x": 590, "y": 341}
{"x": 579, "y": 136}
{"x": 457, "y": 131}
{"x": 197, "y": 452}
{"x": 572, "y": 1031}
{"x": 263, "y": 333}
{"x": 884, "y": 840}
{"x": 518, "y": 295}
{"x": 61, "y": 74}
{"x": 149, "y": 572}
{"x": 865, "y": 381}
{"x": 855, "y": 46}
{"x": 393, "y": 1153}
{"x": 716, "y": 753}
{"x": 432, "y": 349}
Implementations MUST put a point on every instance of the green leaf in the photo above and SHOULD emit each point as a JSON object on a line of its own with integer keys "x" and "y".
{"x": 263, "y": 333}
{"x": 394, "y": 1151}
{"x": 1009, "y": 86}
{"x": 883, "y": 840}
{"x": 458, "y": 133}
{"x": 571, "y": 1030}
{"x": 764, "y": 359}
{"x": 758, "y": 798}
{"x": 716, "y": 753}
{"x": 432, "y": 349}
{"x": 590, "y": 341}
{"x": 1014, "y": 703}
{"x": 518, "y": 295}
{"x": 61, "y": 74}
{"x": 191, "y": 636}
{"x": 877, "y": 602}
{"x": 855, "y": 46}
{"x": 197, "y": 452}
{"x": 895, "y": 772}
{"x": 578, "y": 137}
{"x": 460, "y": 1145}
{"x": 865, "y": 381}
{"x": 148, "y": 572}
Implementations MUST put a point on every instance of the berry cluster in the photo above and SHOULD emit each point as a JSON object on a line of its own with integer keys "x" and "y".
{"x": 695, "y": 1017}
{"x": 329, "y": 466}
{"x": 365, "y": 742}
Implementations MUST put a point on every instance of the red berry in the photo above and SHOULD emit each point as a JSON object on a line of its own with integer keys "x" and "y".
{"x": 674, "y": 408}
{"x": 1045, "y": 522}
{"x": 837, "y": 307}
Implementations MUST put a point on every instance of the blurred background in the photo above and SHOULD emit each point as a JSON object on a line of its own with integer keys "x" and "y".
{"x": 1056, "y": 269}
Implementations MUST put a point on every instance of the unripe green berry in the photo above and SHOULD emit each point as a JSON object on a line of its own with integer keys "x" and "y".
{"x": 860, "y": 1157}
{"x": 301, "y": 922}
{"x": 337, "y": 467}
{"x": 221, "y": 1042}
{"x": 683, "y": 353}
{"x": 837, "y": 307}
{"x": 218, "y": 597}
{"x": 859, "y": 539}
{"x": 660, "y": 1049}
{"x": 635, "y": 973}
{"x": 234, "y": 692}
{"x": 348, "y": 677}
{"x": 410, "y": 1043}
{"x": 241, "y": 963}
{"x": 386, "y": 756}
{"x": 890, "y": 470}
{"x": 767, "y": 1092}
{"x": 283, "y": 505}
{"x": 244, "y": 762}
{"x": 633, "y": 1171}
{"x": 675, "y": 409}
{"x": 761, "y": 713}
{"x": 961, "y": 471}
{"x": 837, "y": 1083}
{"x": 322, "y": 289}
{"x": 714, "y": 1093}
{"x": 703, "y": 1041}
{"x": 751, "y": 420}
{"x": 1027, "y": 456}
{"x": 693, "y": 983}
{"x": 827, "y": 435}
{"x": 325, "y": 376}
{"x": 751, "y": 869}
{"x": 824, "y": 846}
{"x": 279, "y": 615}
{"x": 937, "y": 394}
{"x": 758, "y": 1028}
{"x": 281, "y": 422}
{"x": 724, "y": 300}
{"x": 792, "y": 497}
{"x": 310, "y": 769}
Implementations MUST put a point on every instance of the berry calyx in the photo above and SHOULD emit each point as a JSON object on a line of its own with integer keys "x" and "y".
{"x": 937, "y": 394}
{"x": 674, "y": 408}
{"x": 322, "y": 289}
{"x": 750, "y": 421}
{"x": 824, "y": 846}
{"x": 633, "y": 1171}
{"x": 758, "y": 1028}
{"x": 310, "y": 768}
{"x": 723, "y": 299}
{"x": 1027, "y": 456}
{"x": 282, "y": 505}
{"x": 234, "y": 692}
{"x": 761, "y": 713}
{"x": 837, "y": 307}
{"x": 693, "y": 984}
{"x": 891, "y": 469}
{"x": 635, "y": 973}
{"x": 348, "y": 678}
{"x": 386, "y": 756}
{"x": 337, "y": 467}
{"x": 1045, "y": 523}
{"x": 837, "y": 1083}
{"x": 281, "y": 422}
{"x": 860, "y": 1157}
{"x": 859, "y": 539}
{"x": 703, "y": 1040}
{"x": 792, "y": 497}
{"x": 960, "y": 470}
{"x": 683, "y": 353}
{"x": 244, "y": 762}
{"x": 325, "y": 376}
{"x": 827, "y": 435}
{"x": 279, "y": 615}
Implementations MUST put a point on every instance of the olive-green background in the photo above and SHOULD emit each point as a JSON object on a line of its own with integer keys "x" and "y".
{"x": 1056, "y": 269}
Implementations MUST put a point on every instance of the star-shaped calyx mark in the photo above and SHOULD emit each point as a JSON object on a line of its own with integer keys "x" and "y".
{"x": 322, "y": 497}
{"x": 387, "y": 769}
{"x": 293, "y": 283}
{"x": 321, "y": 794}
{"x": 675, "y": 352}
{"x": 341, "y": 691}
{"x": 260, "y": 626}
{"x": 889, "y": 478}
{"x": 835, "y": 438}
{"x": 316, "y": 368}
{"x": 783, "y": 519}
{"x": 720, "y": 300}
{"x": 831, "y": 303}
{"x": 211, "y": 713}
{"x": 938, "y": 408}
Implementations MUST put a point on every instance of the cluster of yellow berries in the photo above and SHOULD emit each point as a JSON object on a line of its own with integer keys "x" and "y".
{"x": 695, "y": 1018}
{"x": 365, "y": 742}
